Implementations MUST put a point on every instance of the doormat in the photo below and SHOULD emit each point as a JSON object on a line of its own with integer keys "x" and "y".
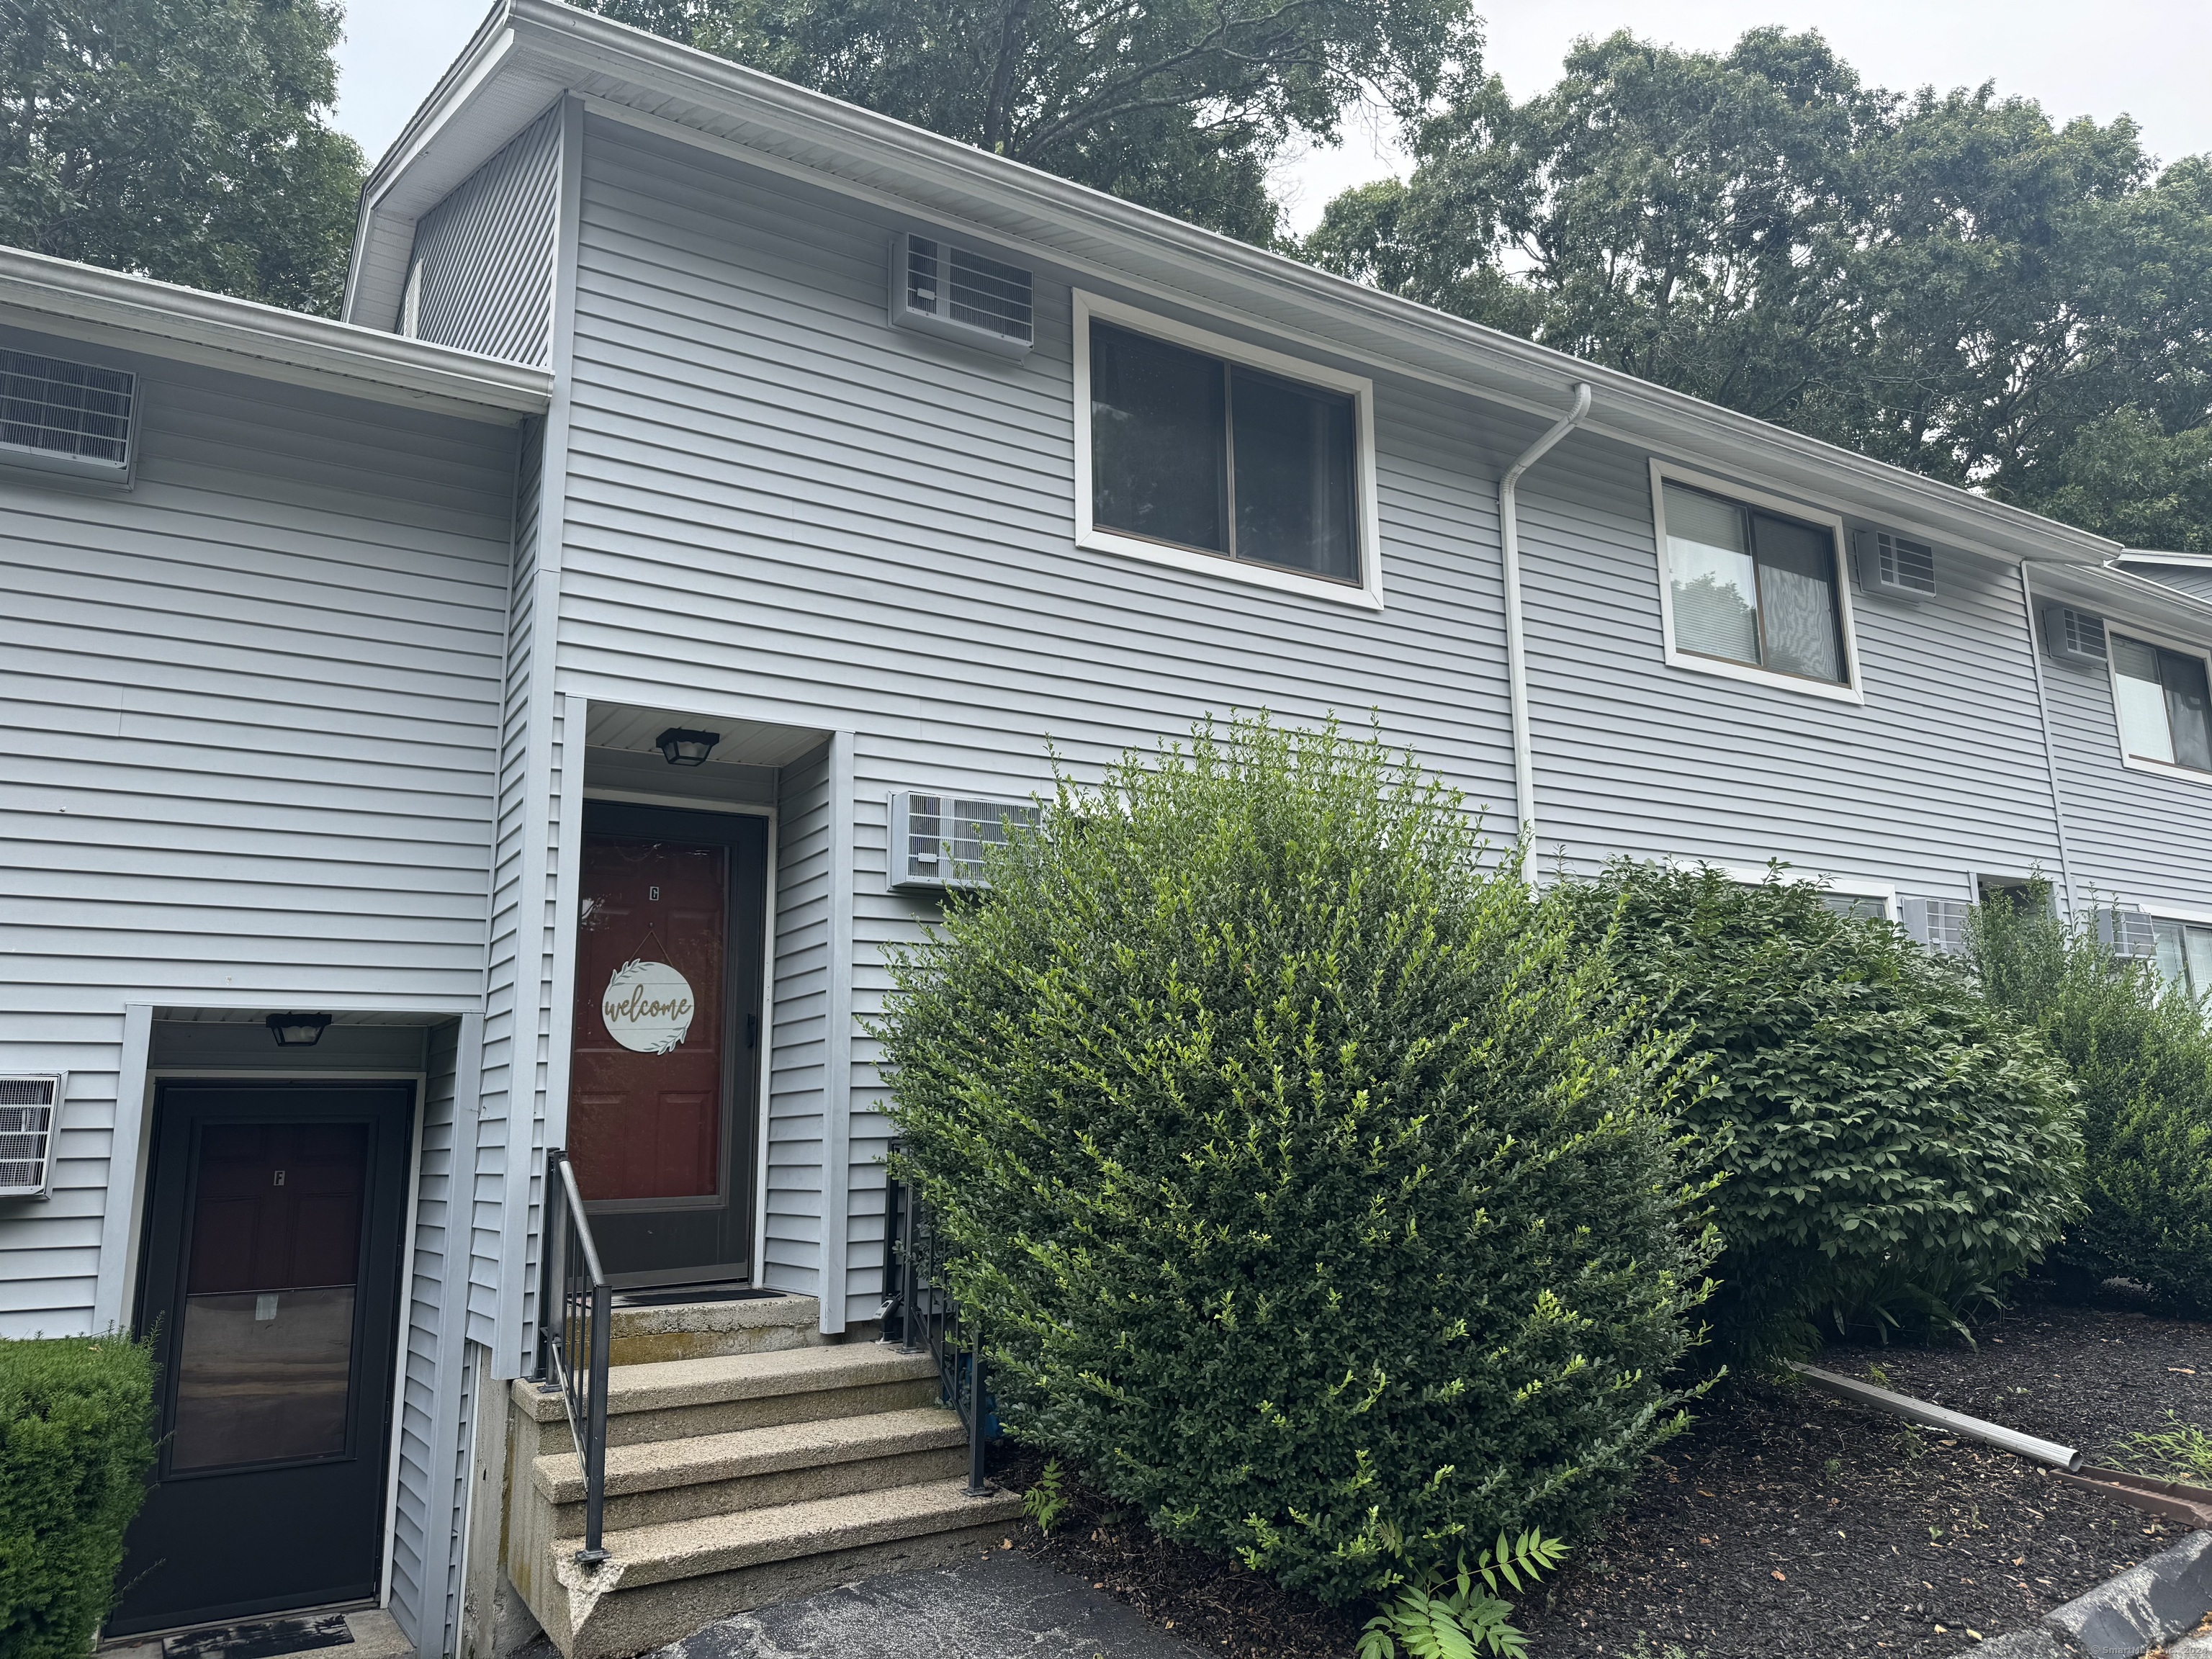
{"x": 263, "y": 1640}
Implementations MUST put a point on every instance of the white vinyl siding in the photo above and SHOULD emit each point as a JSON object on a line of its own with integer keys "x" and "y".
{"x": 246, "y": 722}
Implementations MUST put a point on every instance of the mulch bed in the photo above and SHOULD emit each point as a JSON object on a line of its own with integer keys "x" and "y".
{"x": 1785, "y": 1521}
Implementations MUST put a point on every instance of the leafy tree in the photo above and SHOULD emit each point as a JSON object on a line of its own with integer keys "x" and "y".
{"x": 183, "y": 139}
{"x": 1178, "y": 104}
{"x": 1951, "y": 283}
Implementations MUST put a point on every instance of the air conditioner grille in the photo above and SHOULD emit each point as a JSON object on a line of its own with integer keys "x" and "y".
{"x": 941, "y": 838}
{"x": 987, "y": 294}
{"x": 2126, "y": 931}
{"x": 921, "y": 275}
{"x": 2084, "y": 634}
{"x": 27, "y": 1133}
{"x": 1906, "y": 564}
{"x": 1940, "y": 924}
{"x": 56, "y": 407}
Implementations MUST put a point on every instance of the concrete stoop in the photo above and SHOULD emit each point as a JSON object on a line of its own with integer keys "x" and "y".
{"x": 753, "y": 1463}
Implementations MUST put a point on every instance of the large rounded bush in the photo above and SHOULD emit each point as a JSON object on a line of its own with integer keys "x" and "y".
{"x": 1309, "y": 1193}
{"x": 2141, "y": 1057}
{"x": 1892, "y": 1146}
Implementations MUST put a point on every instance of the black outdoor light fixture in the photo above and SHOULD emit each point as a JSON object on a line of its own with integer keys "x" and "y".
{"x": 297, "y": 1031}
{"x": 679, "y": 745}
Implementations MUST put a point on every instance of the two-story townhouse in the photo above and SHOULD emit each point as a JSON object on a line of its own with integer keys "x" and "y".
{"x": 858, "y": 471}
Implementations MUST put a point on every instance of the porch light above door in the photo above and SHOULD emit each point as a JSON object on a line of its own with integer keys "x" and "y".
{"x": 297, "y": 1031}
{"x": 681, "y": 746}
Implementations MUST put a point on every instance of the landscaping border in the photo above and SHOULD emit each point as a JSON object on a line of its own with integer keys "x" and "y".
{"x": 2126, "y": 1616}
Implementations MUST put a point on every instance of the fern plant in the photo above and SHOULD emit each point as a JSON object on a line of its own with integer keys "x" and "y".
{"x": 1446, "y": 1614}
{"x": 1043, "y": 1502}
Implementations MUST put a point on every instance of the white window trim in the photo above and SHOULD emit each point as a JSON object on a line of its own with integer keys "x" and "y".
{"x": 2164, "y": 642}
{"x": 1850, "y": 690}
{"x": 1754, "y": 875}
{"x": 1366, "y": 595}
{"x": 2158, "y": 912}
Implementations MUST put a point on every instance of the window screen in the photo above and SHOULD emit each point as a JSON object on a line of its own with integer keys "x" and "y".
{"x": 2164, "y": 705}
{"x": 1753, "y": 587}
{"x": 1192, "y": 450}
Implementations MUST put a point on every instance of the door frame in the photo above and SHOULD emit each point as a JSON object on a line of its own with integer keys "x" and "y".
{"x": 562, "y": 1028}
{"x": 141, "y": 1233}
{"x": 155, "y": 1076}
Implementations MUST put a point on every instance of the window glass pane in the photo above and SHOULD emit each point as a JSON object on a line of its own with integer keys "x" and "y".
{"x": 1158, "y": 440}
{"x": 1709, "y": 564}
{"x": 1861, "y": 907}
{"x": 2199, "y": 942}
{"x": 1293, "y": 478}
{"x": 2172, "y": 951}
{"x": 1797, "y": 597}
{"x": 2188, "y": 709}
{"x": 2141, "y": 699}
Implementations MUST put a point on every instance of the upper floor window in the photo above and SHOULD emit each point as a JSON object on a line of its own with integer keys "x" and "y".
{"x": 2164, "y": 704}
{"x": 1203, "y": 452}
{"x": 1752, "y": 590}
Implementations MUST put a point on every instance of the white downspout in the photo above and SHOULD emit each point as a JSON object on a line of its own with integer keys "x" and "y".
{"x": 1516, "y": 664}
{"x": 2050, "y": 744}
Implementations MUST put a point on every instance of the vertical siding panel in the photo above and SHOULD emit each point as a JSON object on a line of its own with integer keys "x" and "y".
{"x": 798, "y": 1028}
{"x": 486, "y": 252}
{"x": 420, "y": 1526}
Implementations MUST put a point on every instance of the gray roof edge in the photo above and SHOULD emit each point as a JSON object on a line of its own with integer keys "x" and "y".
{"x": 2099, "y": 584}
{"x": 1207, "y": 269}
{"x": 165, "y": 319}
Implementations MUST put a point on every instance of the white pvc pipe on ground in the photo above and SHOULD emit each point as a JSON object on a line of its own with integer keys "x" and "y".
{"x": 1958, "y": 1422}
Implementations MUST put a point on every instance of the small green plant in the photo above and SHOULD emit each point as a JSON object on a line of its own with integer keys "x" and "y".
{"x": 2185, "y": 1451}
{"x": 1833, "y": 1468}
{"x": 76, "y": 1420}
{"x": 1878, "y": 1376}
{"x": 1044, "y": 1501}
{"x": 1446, "y": 1614}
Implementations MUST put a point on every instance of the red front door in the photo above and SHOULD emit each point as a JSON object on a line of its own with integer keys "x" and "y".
{"x": 666, "y": 1023}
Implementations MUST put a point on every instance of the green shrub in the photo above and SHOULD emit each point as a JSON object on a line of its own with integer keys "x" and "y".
{"x": 1311, "y": 1195}
{"x": 1892, "y": 1146}
{"x": 76, "y": 1443}
{"x": 2142, "y": 1059}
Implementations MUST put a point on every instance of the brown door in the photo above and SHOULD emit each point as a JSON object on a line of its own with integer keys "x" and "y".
{"x": 664, "y": 1072}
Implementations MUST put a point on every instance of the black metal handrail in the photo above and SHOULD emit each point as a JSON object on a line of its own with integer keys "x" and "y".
{"x": 575, "y": 1313}
{"x": 919, "y": 1312}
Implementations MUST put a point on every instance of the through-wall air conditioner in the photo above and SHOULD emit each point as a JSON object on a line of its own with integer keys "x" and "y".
{"x": 2125, "y": 931}
{"x": 936, "y": 841}
{"x": 2073, "y": 637}
{"x": 1893, "y": 566}
{"x": 957, "y": 294}
{"x": 1938, "y": 923}
{"x": 30, "y": 1113}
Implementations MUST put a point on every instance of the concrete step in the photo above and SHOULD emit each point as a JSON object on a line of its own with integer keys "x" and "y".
{"x": 663, "y": 1481}
{"x": 662, "y": 1583}
{"x": 702, "y": 1330}
{"x": 679, "y": 1398}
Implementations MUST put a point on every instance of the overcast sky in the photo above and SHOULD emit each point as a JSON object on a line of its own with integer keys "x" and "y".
{"x": 2147, "y": 58}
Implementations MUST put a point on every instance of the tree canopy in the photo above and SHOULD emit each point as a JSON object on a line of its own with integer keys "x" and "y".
{"x": 182, "y": 139}
{"x": 1178, "y": 104}
{"x": 1950, "y": 282}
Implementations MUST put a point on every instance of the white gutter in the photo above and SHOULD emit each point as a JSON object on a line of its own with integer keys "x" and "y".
{"x": 1517, "y": 656}
{"x": 163, "y": 319}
